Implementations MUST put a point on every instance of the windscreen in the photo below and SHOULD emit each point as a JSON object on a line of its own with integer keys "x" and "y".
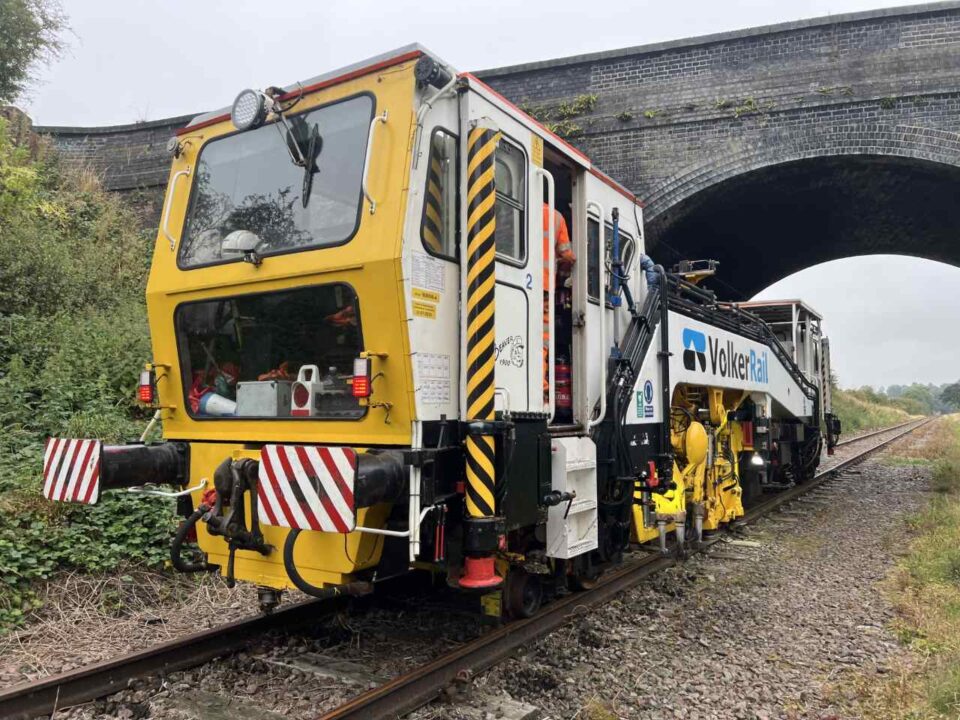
{"x": 249, "y": 182}
{"x": 282, "y": 354}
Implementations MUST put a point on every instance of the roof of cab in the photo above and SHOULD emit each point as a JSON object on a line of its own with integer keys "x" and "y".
{"x": 357, "y": 69}
{"x": 410, "y": 52}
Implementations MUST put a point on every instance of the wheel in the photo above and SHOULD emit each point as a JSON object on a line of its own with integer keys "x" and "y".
{"x": 523, "y": 594}
{"x": 584, "y": 574}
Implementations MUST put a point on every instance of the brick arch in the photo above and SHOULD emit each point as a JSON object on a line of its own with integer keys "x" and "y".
{"x": 774, "y": 211}
{"x": 843, "y": 139}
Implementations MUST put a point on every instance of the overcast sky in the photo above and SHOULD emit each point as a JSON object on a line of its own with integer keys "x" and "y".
{"x": 132, "y": 60}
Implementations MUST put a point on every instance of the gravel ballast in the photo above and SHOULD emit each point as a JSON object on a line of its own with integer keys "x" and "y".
{"x": 765, "y": 628}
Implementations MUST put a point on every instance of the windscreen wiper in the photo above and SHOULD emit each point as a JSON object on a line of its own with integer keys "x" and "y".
{"x": 304, "y": 159}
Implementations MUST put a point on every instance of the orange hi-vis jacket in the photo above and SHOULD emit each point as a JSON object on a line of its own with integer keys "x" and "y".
{"x": 563, "y": 250}
{"x": 564, "y": 257}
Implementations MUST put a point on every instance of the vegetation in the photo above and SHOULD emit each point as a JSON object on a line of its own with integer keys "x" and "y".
{"x": 30, "y": 32}
{"x": 925, "y": 589}
{"x": 866, "y": 408}
{"x": 860, "y": 410}
{"x": 559, "y": 118}
{"x": 73, "y": 335}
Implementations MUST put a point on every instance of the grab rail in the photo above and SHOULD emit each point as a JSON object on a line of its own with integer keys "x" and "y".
{"x": 552, "y": 281}
{"x": 164, "y": 226}
{"x": 382, "y": 118}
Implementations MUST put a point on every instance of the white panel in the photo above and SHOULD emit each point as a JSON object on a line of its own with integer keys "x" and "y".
{"x": 573, "y": 467}
{"x": 514, "y": 349}
{"x": 705, "y": 355}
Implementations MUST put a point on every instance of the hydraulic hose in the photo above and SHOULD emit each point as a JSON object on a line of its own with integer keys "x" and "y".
{"x": 176, "y": 547}
{"x": 312, "y": 590}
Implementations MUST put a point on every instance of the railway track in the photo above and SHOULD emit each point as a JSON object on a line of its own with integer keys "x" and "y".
{"x": 873, "y": 433}
{"x": 405, "y": 692}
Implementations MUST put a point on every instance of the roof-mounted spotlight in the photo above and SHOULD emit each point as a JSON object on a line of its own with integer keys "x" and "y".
{"x": 249, "y": 110}
{"x": 428, "y": 71}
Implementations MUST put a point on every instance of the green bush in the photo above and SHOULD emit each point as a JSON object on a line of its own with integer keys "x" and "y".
{"x": 73, "y": 336}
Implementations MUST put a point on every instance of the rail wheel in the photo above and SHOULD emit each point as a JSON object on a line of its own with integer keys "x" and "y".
{"x": 523, "y": 593}
{"x": 584, "y": 574}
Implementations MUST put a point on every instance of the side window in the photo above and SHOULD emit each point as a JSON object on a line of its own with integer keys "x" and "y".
{"x": 627, "y": 248}
{"x": 438, "y": 228}
{"x": 511, "y": 183}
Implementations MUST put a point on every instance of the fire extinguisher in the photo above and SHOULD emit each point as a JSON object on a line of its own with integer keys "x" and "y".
{"x": 564, "y": 391}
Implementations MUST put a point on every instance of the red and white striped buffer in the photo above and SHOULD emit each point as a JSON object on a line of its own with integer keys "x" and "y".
{"x": 308, "y": 487}
{"x": 71, "y": 470}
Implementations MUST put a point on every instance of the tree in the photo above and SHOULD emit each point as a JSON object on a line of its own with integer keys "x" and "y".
{"x": 951, "y": 395}
{"x": 29, "y": 33}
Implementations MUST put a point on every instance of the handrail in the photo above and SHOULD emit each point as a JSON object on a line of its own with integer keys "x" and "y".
{"x": 164, "y": 225}
{"x": 382, "y": 118}
{"x": 601, "y": 280}
{"x": 552, "y": 281}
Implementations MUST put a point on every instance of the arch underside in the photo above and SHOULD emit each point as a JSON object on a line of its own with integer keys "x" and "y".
{"x": 769, "y": 222}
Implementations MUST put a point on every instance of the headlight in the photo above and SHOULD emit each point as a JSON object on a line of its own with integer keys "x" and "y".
{"x": 249, "y": 110}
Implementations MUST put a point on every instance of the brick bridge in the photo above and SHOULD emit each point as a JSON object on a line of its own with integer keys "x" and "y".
{"x": 770, "y": 149}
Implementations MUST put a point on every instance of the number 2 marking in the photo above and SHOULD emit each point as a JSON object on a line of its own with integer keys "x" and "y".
{"x": 529, "y": 281}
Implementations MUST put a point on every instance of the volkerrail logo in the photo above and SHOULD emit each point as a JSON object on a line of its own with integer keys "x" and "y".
{"x": 694, "y": 349}
{"x": 725, "y": 360}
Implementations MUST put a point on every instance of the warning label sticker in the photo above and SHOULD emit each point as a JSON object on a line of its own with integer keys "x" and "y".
{"x": 424, "y": 310}
{"x": 433, "y": 376}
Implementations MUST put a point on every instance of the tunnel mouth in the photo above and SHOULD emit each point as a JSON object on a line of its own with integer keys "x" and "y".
{"x": 770, "y": 222}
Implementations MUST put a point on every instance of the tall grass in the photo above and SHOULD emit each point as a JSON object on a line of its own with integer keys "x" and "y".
{"x": 926, "y": 593}
{"x": 858, "y": 413}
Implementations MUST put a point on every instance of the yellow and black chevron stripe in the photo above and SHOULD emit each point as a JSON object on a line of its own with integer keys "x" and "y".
{"x": 481, "y": 279}
{"x": 433, "y": 207}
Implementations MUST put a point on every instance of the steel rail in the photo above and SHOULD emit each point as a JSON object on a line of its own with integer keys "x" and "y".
{"x": 872, "y": 433}
{"x": 400, "y": 695}
{"x": 407, "y": 692}
{"x": 45, "y": 696}
{"x": 796, "y": 491}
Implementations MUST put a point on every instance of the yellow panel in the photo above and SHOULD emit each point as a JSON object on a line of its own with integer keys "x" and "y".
{"x": 321, "y": 558}
{"x": 369, "y": 262}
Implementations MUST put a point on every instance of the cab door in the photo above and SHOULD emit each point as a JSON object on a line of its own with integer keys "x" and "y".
{"x": 518, "y": 322}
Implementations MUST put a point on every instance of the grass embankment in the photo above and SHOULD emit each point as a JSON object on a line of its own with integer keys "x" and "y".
{"x": 73, "y": 335}
{"x": 858, "y": 413}
{"x": 925, "y": 589}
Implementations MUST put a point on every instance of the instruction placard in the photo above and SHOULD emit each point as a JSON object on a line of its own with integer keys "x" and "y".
{"x": 427, "y": 272}
{"x": 433, "y": 375}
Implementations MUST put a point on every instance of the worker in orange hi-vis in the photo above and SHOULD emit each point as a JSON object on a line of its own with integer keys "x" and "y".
{"x": 564, "y": 257}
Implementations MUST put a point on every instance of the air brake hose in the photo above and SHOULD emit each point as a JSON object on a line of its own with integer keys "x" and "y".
{"x": 312, "y": 590}
{"x": 176, "y": 547}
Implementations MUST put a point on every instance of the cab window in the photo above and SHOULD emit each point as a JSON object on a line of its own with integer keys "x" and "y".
{"x": 248, "y": 191}
{"x": 240, "y": 355}
{"x": 438, "y": 228}
{"x": 510, "y": 179}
